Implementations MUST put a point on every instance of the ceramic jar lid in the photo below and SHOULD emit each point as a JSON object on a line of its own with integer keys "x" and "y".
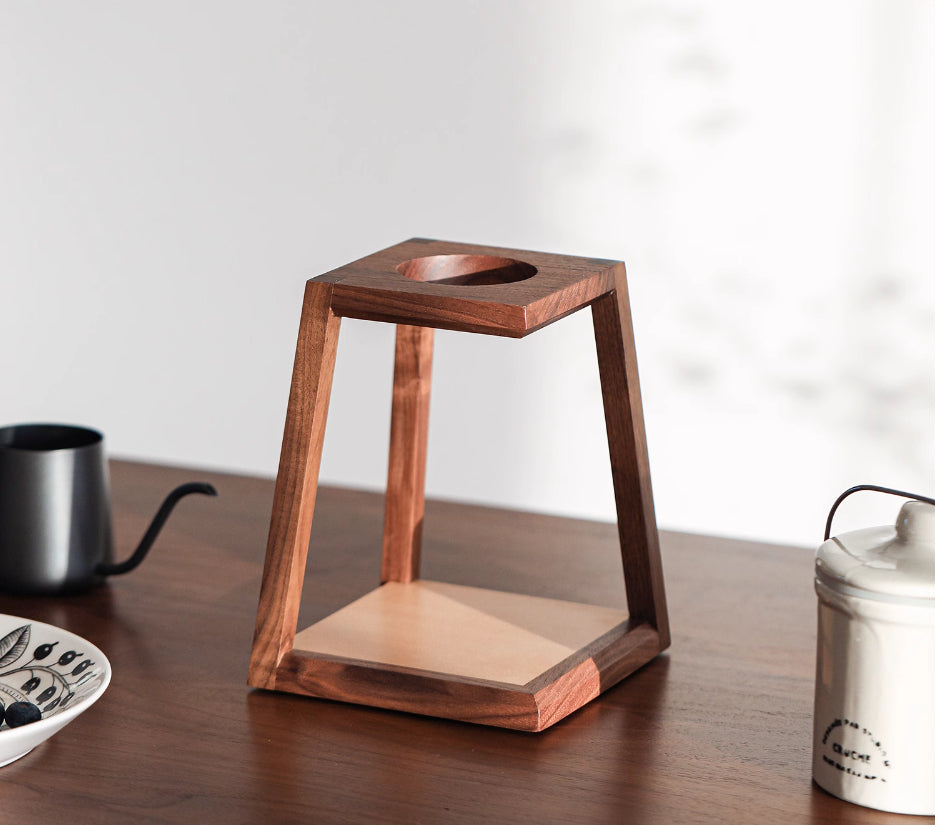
{"x": 884, "y": 563}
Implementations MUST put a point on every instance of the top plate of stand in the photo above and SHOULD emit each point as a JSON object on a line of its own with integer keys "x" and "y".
{"x": 465, "y": 287}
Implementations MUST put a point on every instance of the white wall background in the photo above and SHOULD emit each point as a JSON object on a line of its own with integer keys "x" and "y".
{"x": 172, "y": 172}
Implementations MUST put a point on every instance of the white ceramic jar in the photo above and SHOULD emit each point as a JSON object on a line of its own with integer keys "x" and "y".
{"x": 873, "y": 728}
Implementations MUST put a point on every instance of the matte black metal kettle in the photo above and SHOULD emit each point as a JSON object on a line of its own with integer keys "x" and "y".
{"x": 55, "y": 517}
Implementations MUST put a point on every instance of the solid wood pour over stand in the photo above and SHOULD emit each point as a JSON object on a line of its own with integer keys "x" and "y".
{"x": 434, "y": 648}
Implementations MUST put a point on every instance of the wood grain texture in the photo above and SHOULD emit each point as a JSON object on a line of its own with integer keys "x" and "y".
{"x": 297, "y": 482}
{"x": 402, "y": 689}
{"x": 374, "y": 288}
{"x": 599, "y": 666}
{"x": 630, "y": 463}
{"x": 409, "y": 434}
{"x": 715, "y": 732}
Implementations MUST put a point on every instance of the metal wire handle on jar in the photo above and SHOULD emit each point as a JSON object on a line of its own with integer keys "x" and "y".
{"x": 874, "y": 488}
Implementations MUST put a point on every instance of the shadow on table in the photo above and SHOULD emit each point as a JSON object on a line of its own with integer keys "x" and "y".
{"x": 593, "y": 766}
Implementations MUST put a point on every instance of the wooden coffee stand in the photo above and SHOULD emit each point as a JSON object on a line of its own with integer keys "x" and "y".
{"x": 437, "y": 648}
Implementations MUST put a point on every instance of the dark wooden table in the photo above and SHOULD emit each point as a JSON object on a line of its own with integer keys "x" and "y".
{"x": 717, "y": 730}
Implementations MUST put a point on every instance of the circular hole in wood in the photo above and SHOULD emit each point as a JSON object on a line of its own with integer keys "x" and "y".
{"x": 466, "y": 270}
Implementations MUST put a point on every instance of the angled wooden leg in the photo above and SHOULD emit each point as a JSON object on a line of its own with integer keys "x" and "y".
{"x": 630, "y": 466}
{"x": 296, "y": 485}
{"x": 406, "y": 477}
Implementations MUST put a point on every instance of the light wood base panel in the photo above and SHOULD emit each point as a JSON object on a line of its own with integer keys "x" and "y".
{"x": 463, "y": 631}
{"x": 466, "y": 653}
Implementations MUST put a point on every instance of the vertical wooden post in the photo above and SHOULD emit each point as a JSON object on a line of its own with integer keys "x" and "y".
{"x": 630, "y": 465}
{"x": 296, "y": 485}
{"x": 406, "y": 476}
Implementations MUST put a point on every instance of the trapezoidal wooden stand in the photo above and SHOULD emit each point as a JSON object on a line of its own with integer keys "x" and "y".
{"x": 434, "y": 648}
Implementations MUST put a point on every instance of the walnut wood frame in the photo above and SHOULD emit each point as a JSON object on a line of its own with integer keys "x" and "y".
{"x": 421, "y": 285}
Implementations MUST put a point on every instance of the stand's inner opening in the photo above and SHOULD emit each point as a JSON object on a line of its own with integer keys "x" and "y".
{"x": 466, "y": 270}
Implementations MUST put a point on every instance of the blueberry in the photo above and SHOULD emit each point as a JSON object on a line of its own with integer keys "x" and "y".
{"x": 2, "y": 713}
{"x": 22, "y": 713}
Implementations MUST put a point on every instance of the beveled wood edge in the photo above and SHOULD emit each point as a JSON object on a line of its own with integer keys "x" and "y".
{"x": 456, "y": 313}
{"x": 610, "y": 639}
{"x": 583, "y": 677}
{"x": 372, "y": 291}
{"x": 543, "y": 312}
{"x": 404, "y": 670}
{"x": 405, "y": 689}
{"x": 429, "y": 310}
{"x": 532, "y": 707}
{"x": 463, "y": 247}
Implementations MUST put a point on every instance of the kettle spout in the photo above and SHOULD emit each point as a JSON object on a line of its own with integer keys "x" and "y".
{"x": 159, "y": 521}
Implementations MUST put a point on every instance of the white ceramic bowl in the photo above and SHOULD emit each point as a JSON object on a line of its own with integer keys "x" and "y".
{"x": 57, "y": 671}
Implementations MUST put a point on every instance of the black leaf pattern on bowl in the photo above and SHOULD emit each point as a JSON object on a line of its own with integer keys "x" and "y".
{"x": 51, "y": 686}
{"x": 13, "y": 644}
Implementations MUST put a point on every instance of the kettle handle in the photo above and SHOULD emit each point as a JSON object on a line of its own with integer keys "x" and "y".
{"x": 159, "y": 520}
{"x": 874, "y": 488}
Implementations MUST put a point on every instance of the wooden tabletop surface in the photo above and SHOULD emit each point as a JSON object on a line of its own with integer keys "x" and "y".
{"x": 716, "y": 730}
